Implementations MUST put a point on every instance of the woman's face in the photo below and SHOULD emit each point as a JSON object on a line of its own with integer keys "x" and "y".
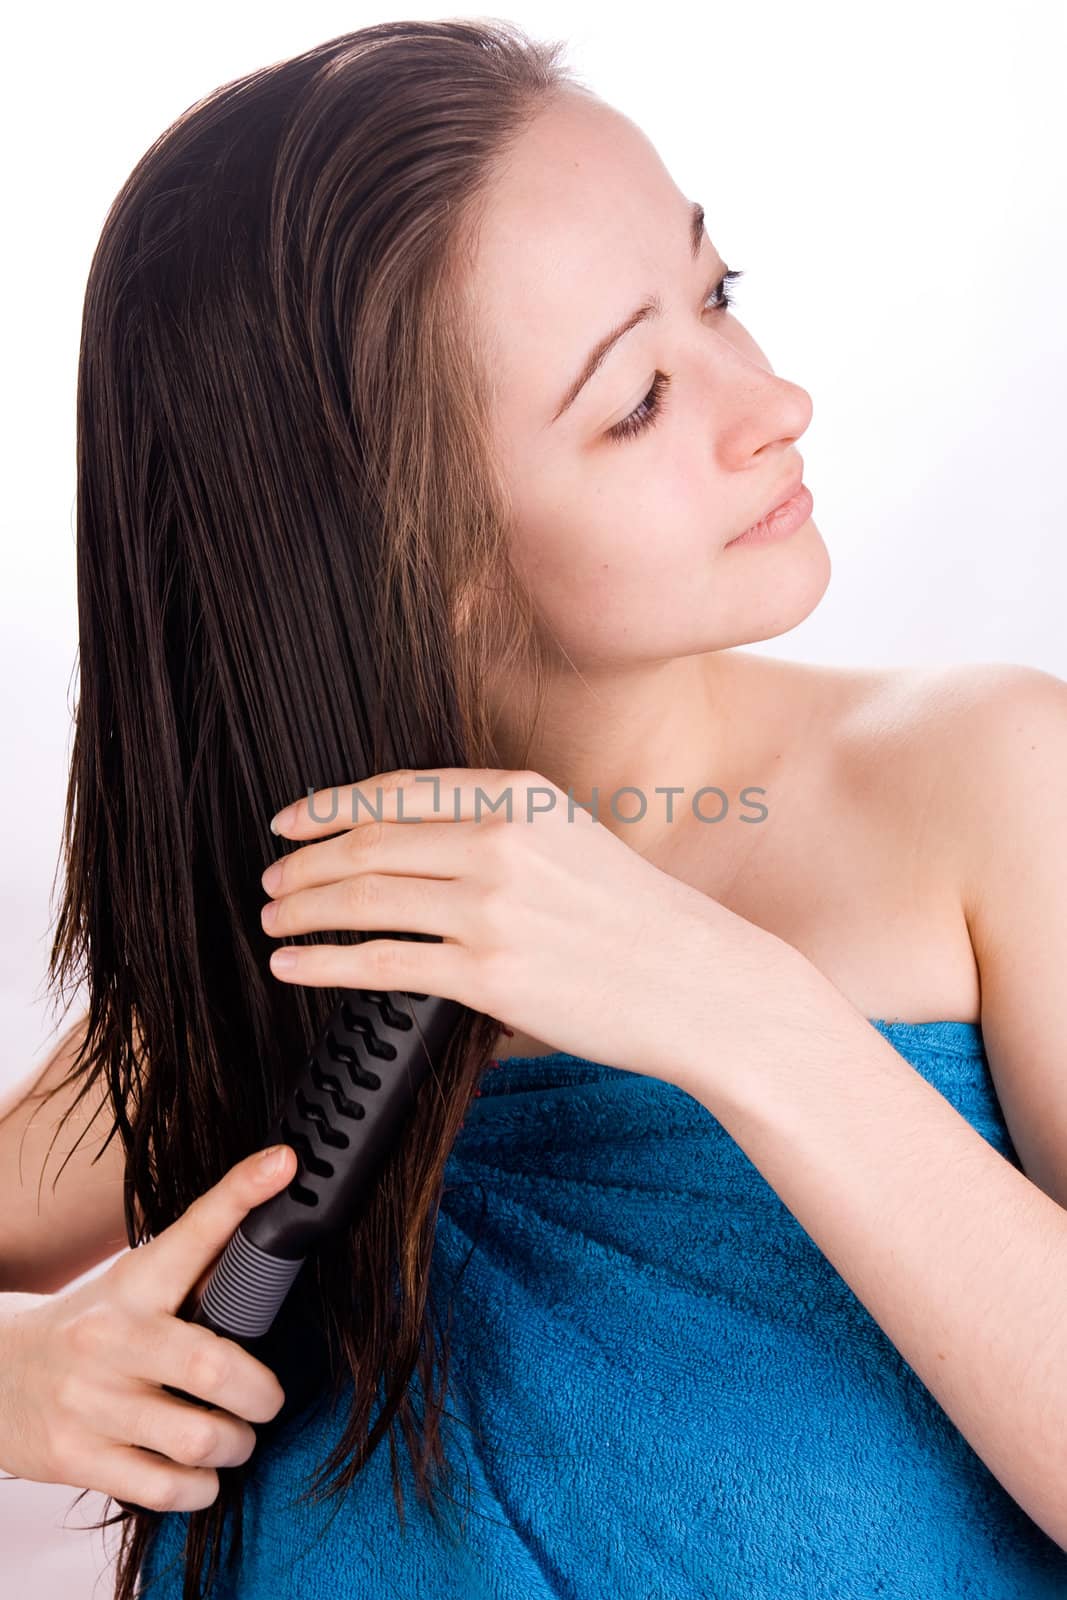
{"x": 621, "y": 539}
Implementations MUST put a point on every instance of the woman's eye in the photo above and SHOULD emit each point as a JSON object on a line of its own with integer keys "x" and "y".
{"x": 651, "y": 407}
{"x": 725, "y": 297}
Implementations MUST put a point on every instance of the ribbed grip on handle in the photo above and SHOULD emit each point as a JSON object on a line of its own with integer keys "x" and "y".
{"x": 246, "y": 1289}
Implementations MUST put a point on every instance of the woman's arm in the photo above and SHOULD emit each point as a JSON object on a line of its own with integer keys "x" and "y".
{"x": 959, "y": 1257}
{"x": 54, "y": 1229}
{"x": 1015, "y": 897}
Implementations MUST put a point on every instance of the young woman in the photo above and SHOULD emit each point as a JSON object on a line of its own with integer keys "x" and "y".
{"x": 420, "y": 453}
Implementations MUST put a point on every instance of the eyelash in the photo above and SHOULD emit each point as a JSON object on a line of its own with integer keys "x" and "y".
{"x": 650, "y": 408}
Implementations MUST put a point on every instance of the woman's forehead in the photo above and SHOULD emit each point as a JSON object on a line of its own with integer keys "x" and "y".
{"x": 581, "y": 225}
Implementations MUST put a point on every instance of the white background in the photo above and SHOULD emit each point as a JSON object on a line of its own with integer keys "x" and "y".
{"x": 890, "y": 179}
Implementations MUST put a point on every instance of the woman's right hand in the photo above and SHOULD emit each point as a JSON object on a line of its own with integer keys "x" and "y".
{"x": 82, "y": 1372}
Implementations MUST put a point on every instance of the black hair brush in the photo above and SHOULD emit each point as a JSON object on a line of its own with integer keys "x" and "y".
{"x": 347, "y": 1112}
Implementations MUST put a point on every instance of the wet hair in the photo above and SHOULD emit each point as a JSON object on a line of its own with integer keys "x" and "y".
{"x": 292, "y": 573}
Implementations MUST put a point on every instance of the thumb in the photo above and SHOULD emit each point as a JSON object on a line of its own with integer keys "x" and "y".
{"x": 183, "y": 1256}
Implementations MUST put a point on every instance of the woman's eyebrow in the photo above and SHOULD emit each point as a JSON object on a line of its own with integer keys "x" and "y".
{"x": 652, "y": 307}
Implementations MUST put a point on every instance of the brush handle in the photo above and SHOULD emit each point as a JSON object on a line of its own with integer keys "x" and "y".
{"x": 343, "y": 1117}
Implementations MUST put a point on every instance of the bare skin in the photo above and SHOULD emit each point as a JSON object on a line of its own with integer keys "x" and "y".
{"x": 845, "y": 866}
{"x": 625, "y": 545}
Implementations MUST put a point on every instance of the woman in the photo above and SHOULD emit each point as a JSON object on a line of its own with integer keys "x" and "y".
{"x": 744, "y": 1293}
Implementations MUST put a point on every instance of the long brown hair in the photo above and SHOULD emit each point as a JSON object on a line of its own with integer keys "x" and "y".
{"x": 292, "y": 572}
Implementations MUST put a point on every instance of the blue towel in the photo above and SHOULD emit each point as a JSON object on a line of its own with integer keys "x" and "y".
{"x": 662, "y": 1390}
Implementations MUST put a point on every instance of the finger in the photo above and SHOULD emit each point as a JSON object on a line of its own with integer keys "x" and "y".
{"x": 195, "y": 1436}
{"x": 442, "y": 969}
{"x": 162, "y": 1271}
{"x": 392, "y": 796}
{"x": 367, "y": 900}
{"x": 207, "y": 1366}
{"x": 135, "y": 1477}
{"x": 435, "y": 850}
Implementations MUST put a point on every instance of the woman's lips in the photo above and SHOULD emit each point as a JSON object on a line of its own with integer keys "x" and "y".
{"x": 779, "y": 523}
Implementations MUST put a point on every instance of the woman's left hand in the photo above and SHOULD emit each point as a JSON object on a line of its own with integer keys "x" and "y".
{"x": 550, "y": 922}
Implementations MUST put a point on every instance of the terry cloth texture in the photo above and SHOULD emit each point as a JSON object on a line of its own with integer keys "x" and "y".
{"x": 660, "y": 1389}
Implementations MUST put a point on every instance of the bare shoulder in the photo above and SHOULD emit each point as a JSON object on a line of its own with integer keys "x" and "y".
{"x": 958, "y": 723}
{"x": 945, "y": 744}
{"x": 997, "y": 732}
{"x": 940, "y": 700}
{"x": 929, "y": 716}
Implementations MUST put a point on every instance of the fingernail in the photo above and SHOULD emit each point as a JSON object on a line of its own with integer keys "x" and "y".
{"x": 283, "y": 819}
{"x": 271, "y": 1160}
